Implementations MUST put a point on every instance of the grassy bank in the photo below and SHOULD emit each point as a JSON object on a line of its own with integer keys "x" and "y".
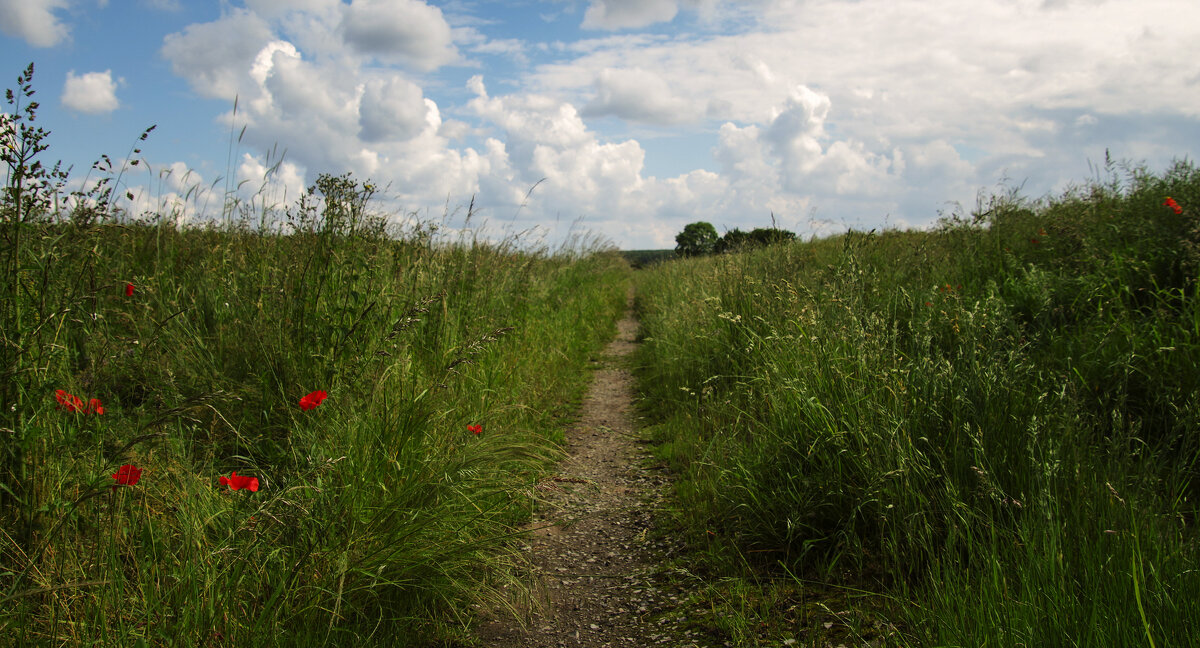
{"x": 979, "y": 435}
{"x": 394, "y": 398}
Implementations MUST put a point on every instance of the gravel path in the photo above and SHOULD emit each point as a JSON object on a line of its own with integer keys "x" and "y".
{"x": 594, "y": 557}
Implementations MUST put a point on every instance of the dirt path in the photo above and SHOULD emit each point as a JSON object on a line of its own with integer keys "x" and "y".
{"x": 595, "y": 563}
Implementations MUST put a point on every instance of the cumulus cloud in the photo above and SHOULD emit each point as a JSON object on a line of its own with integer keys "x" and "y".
{"x": 795, "y": 132}
{"x": 605, "y": 184}
{"x": 391, "y": 109}
{"x": 406, "y": 30}
{"x": 623, "y": 14}
{"x": 92, "y": 92}
{"x": 638, "y": 95}
{"x": 34, "y": 20}
{"x": 179, "y": 178}
{"x": 846, "y": 111}
{"x": 631, "y": 14}
{"x": 546, "y": 139}
{"x": 273, "y": 184}
{"x": 214, "y": 57}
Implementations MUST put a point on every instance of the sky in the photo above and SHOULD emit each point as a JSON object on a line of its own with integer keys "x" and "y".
{"x": 613, "y": 120}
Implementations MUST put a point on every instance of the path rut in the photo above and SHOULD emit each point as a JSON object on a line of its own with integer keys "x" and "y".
{"x": 595, "y": 562}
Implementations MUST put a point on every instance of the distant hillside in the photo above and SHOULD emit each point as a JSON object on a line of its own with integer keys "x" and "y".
{"x": 642, "y": 258}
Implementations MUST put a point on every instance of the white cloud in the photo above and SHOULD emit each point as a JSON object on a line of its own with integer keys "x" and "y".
{"x": 391, "y": 109}
{"x": 92, "y": 92}
{"x": 631, "y": 14}
{"x": 937, "y": 161}
{"x": 547, "y": 139}
{"x": 300, "y": 89}
{"x": 406, "y": 30}
{"x": 623, "y": 14}
{"x": 269, "y": 184}
{"x": 34, "y": 20}
{"x": 530, "y": 119}
{"x": 639, "y": 95}
{"x": 795, "y": 132}
{"x": 215, "y": 57}
{"x": 177, "y": 177}
{"x": 851, "y": 111}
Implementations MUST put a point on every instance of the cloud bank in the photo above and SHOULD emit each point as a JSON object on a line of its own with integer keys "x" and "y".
{"x": 826, "y": 114}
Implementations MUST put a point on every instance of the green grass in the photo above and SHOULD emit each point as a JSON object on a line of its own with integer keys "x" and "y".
{"x": 381, "y": 520}
{"x": 983, "y": 434}
{"x": 644, "y": 258}
{"x": 991, "y": 427}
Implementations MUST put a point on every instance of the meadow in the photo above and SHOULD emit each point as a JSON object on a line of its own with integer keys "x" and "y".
{"x": 983, "y": 434}
{"x": 300, "y": 425}
{"x": 308, "y": 425}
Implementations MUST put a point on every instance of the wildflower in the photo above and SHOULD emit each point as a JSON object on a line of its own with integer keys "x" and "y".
{"x": 312, "y": 400}
{"x": 1041, "y": 231}
{"x": 1034, "y": 241}
{"x": 69, "y": 402}
{"x": 475, "y": 429}
{"x": 1170, "y": 202}
{"x": 238, "y": 482}
{"x": 127, "y": 475}
{"x": 129, "y": 290}
{"x": 73, "y": 403}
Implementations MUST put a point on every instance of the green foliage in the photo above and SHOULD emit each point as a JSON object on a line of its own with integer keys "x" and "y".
{"x": 735, "y": 240}
{"x": 643, "y": 258}
{"x": 991, "y": 426}
{"x": 380, "y": 518}
{"x": 696, "y": 239}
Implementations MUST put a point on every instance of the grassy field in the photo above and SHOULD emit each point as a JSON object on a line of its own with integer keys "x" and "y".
{"x": 984, "y": 434}
{"x": 302, "y": 427}
{"x": 305, "y": 426}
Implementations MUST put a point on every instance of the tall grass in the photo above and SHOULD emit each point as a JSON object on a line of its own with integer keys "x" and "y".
{"x": 992, "y": 425}
{"x": 380, "y": 519}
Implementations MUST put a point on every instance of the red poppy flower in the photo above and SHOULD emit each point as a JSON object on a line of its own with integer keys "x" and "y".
{"x": 1170, "y": 202}
{"x": 69, "y": 402}
{"x": 238, "y": 482}
{"x": 475, "y": 429}
{"x": 1034, "y": 241}
{"x": 312, "y": 400}
{"x": 73, "y": 403}
{"x": 129, "y": 290}
{"x": 127, "y": 475}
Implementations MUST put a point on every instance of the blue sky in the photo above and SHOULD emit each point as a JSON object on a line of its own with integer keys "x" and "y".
{"x": 640, "y": 115}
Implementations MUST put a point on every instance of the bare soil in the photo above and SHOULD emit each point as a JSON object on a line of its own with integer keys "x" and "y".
{"x": 596, "y": 563}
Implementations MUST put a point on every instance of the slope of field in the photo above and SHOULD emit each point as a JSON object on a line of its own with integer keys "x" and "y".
{"x": 317, "y": 434}
{"x": 983, "y": 434}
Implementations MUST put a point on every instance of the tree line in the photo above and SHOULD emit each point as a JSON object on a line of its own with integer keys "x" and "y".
{"x": 701, "y": 238}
